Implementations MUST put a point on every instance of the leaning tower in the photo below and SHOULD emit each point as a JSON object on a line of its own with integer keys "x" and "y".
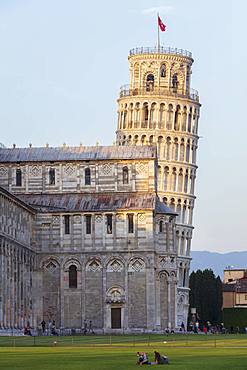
{"x": 160, "y": 108}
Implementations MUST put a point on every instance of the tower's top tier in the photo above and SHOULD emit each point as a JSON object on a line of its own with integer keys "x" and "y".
{"x": 160, "y": 50}
{"x": 161, "y": 71}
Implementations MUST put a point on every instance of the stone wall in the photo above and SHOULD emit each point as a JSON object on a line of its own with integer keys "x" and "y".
{"x": 105, "y": 176}
{"x": 17, "y": 262}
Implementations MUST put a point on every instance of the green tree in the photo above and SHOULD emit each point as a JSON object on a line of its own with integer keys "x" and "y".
{"x": 206, "y": 295}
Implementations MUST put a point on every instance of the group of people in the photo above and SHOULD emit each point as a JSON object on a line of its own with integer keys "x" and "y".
{"x": 88, "y": 328}
{"x": 158, "y": 359}
{"x": 51, "y": 327}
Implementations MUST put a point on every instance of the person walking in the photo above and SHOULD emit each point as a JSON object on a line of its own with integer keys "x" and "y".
{"x": 43, "y": 323}
{"x": 85, "y": 327}
{"x": 90, "y": 329}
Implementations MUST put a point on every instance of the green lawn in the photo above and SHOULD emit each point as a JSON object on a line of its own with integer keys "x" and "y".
{"x": 118, "y": 352}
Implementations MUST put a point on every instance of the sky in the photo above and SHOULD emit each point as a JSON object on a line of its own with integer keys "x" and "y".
{"x": 62, "y": 64}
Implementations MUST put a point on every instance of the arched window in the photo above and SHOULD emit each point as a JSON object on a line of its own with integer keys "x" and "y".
{"x": 87, "y": 176}
{"x": 162, "y": 115}
{"x": 174, "y": 179}
{"x": 159, "y": 178}
{"x": 188, "y": 152}
{"x": 160, "y": 144}
{"x": 161, "y": 226}
{"x": 180, "y": 181}
{"x": 168, "y": 148}
{"x": 124, "y": 118}
{"x": 182, "y": 151}
{"x": 186, "y": 183}
{"x": 130, "y": 218}
{"x": 150, "y": 82}
{"x": 130, "y": 123}
{"x": 18, "y": 177}
{"x": 152, "y": 110}
{"x": 177, "y": 119}
{"x": 145, "y": 114}
{"x": 72, "y": 276}
{"x": 163, "y": 70}
{"x": 179, "y": 210}
{"x": 189, "y": 120}
{"x": 125, "y": 175}
{"x": 169, "y": 117}
{"x": 175, "y": 81}
{"x": 137, "y": 115}
{"x": 172, "y": 204}
{"x": 52, "y": 178}
{"x": 143, "y": 139}
{"x": 184, "y": 119}
{"x": 176, "y": 148}
{"x": 166, "y": 174}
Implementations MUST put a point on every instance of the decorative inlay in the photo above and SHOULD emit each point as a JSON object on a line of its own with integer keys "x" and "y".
{"x": 51, "y": 266}
{"x": 98, "y": 218}
{"x": 69, "y": 170}
{"x": 93, "y": 266}
{"x": 137, "y": 265}
{"x": 35, "y": 171}
{"x": 141, "y": 217}
{"x": 107, "y": 169}
{"x": 115, "y": 266}
{"x": 56, "y": 220}
{"x": 77, "y": 219}
{"x": 120, "y": 216}
{"x": 3, "y": 171}
{"x": 141, "y": 168}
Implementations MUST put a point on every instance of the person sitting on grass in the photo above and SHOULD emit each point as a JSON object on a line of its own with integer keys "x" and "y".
{"x": 160, "y": 359}
{"x": 142, "y": 358}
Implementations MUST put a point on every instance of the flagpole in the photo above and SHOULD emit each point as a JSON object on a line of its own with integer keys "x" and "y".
{"x": 158, "y": 32}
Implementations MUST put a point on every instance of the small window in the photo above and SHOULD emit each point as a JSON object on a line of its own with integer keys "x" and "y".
{"x": 245, "y": 297}
{"x": 163, "y": 70}
{"x": 52, "y": 177}
{"x": 72, "y": 276}
{"x": 175, "y": 81}
{"x": 67, "y": 224}
{"x": 150, "y": 82}
{"x": 125, "y": 175}
{"x": 18, "y": 177}
{"x": 88, "y": 224}
{"x": 87, "y": 176}
{"x": 130, "y": 223}
{"x": 161, "y": 227}
{"x": 109, "y": 224}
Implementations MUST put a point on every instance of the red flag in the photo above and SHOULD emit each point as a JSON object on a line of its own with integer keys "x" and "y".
{"x": 161, "y": 24}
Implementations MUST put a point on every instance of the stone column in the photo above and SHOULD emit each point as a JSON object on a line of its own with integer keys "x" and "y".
{"x": 169, "y": 301}
{"x": 150, "y": 291}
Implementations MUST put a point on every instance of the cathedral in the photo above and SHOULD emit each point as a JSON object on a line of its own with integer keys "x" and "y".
{"x": 103, "y": 233}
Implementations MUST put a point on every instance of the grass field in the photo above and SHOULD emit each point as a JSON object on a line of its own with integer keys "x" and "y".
{"x": 118, "y": 352}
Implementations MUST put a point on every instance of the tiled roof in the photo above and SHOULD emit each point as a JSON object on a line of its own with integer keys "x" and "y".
{"x": 15, "y": 198}
{"x": 95, "y": 202}
{"x": 76, "y": 153}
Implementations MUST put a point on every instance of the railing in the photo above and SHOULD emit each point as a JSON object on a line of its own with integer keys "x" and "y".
{"x": 125, "y": 90}
{"x": 160, "y": 50}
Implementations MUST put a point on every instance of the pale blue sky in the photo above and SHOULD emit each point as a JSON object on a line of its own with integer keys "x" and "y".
{"x": 62, "y": 63}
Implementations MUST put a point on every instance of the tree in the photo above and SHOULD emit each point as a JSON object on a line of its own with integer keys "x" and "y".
{"x": 206, "y": 295}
